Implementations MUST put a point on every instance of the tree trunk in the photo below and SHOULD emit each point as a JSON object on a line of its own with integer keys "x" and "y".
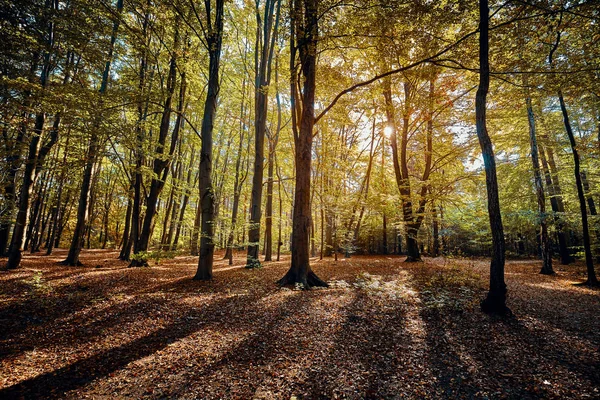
{"x": 305, "y": 34}
{"x": 593, "y": 212}
{"x": 436, "y": 231}
{"x": 539, "y": 189}
{"x": 589, "y": 261}
{"x": 186, "y": 199}
{"x": 495, "y": 302}
{"x": 265, "y": 45}
{"x": 91, "y": 157}
{"x": 214, "y": 39}
{"x": 126, "y": 242}
{"x": 556, "y": 204}
{"x": 162, "y": 160}
{"x": 269, "y": 205}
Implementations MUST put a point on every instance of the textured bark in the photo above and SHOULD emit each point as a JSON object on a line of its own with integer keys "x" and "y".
{"x": 495, "y": 302}
{"x": 304, "y": 35}
{"x": 214, "y": 40}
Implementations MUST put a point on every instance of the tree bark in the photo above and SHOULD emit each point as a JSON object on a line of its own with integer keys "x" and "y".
{"x": 539, "y": 189}
{"x": 592, "y": 280}
{"x": 214, "y": 40}
{"x": 263, "y": 59}
{"x": 495, "y": 302}
{"x": 304, "y": 35}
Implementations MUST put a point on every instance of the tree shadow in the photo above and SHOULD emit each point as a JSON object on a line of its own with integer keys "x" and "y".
{"x": 369, "y": 350}
{"x": 56, "y": 383}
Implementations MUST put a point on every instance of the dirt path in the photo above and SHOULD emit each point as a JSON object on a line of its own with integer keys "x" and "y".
{"x": 384, "y": 329}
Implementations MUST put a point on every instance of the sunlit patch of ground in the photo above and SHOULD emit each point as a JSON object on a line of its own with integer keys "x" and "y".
{"x": 384, "y": 329}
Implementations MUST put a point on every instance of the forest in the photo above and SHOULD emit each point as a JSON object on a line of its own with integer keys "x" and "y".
{"x": 299, "y": 199}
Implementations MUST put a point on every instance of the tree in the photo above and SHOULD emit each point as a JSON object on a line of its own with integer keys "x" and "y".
{"x": 495, "y": 302}
{"x": 213, "y": 36}
{"x": 266, "y": 35}
{"x": 94, "y": 147}
{"x": 304, "y": 38}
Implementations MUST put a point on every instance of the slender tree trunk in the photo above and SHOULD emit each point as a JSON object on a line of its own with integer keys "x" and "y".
{"x": 214, "y": 38}
{"x": 589, "y": 261}
{"x": 556, "y": 204}
{"x": 162, "y": 161}
{"x": 593, "y": 212}
{"x": 436, "y": 231}
{"x": 126, "y": 242}
{"x": 495, "y": 301}
{"x": 539, "y": 189}
{"x": 91, "y": 157}
{"x": 265, "y": 45}
{"x": 186, "y": 199}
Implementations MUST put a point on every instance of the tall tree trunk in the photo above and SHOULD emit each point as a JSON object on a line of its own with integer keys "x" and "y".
{"x": 401, "y": 167}
{"x": 35, "y": 156}
{"x": 539, "y": 189}
{"x": 436, "y": 231}
{"x": 593, "y": 211}
{"x": 162, "y": 160}
{"x": 13, "y": 160}
{"x": 589, "y": 261}
{"x": 207, "y": 246}
{"x": 186, "y": 199}
{"x": 557, "y": 206}
{"x": 126, "y": 242}
{"x": 304, "y": 35}
{"x": 495, "y": 302}
{"x": 269, "y": 205}
{"x": 265, "y": 45}
{"x": 91, "y": 156}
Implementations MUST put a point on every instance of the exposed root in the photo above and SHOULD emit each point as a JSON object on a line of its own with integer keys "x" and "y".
{"x": 70, "y": 263}
{"x": 495, "y": 303}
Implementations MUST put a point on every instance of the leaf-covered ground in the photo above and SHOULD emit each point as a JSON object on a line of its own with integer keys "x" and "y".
{"x": 385, "y": 329}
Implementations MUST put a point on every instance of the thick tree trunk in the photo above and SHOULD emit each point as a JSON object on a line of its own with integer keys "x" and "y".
{"x": 6, "y": 213}
{"x": 16, "y": 245}
{"x": 205, "y": 261}
{"x": 495, "y": 302}
{"x": 539, "y": 189}
{"x": 589, "y": 261}
{"x": 305, "y": 34}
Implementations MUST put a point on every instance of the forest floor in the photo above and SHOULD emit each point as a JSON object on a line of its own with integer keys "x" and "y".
{"x": 385, "y": 329}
